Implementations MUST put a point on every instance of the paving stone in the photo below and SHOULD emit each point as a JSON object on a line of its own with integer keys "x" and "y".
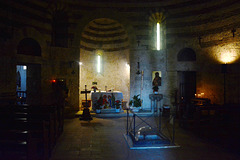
{"x": 102, "y": 139}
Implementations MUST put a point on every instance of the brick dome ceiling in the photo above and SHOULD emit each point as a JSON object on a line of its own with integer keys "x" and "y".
{"x": 105, "y": 34}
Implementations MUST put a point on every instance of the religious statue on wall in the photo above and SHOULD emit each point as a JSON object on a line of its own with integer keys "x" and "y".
{"x": 157, "y": 80}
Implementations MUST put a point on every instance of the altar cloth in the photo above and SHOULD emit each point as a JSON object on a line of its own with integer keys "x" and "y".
{"x": 106, "y": 98}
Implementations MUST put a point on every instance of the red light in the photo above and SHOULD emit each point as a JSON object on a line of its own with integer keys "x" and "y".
{"x": 53, "y": 81}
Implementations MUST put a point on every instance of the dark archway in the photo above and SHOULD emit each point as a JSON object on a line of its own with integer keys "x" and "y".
{"x": 186, "y": 54}
{"x": 106, "y": 34}
{"x": 29, "y": 46}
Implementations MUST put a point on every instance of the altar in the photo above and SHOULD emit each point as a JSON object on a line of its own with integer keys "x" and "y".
{"x": 107, "y": 99}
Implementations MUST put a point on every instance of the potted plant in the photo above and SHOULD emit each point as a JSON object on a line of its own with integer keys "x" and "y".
{"x": 135, "y": 103}
{"x": 117, "y": 104}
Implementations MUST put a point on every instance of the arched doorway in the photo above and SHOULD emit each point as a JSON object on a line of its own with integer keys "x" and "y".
{"x": 28, "y": 78}
{"x": 187, "y": 78}
{"x": 104, "y": 57}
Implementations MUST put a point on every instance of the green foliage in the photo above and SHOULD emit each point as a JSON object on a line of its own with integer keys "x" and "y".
{"x": 136, "y": 101}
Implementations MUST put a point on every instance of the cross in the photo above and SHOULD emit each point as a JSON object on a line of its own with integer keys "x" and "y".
{"x": 85, "y": 92}
{"x": 233, "y": 32}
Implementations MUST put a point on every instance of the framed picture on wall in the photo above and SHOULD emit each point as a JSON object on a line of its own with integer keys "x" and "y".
{"x": 156, "y": 78}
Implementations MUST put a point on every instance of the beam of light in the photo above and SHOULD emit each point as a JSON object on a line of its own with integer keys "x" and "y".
{"x": 158, "y": 36}
{"x": 24, "y": 67}
{"x": 98, "y": 64}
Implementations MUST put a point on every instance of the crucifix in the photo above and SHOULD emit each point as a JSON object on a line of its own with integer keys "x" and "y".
{"x": 86, "y": 113}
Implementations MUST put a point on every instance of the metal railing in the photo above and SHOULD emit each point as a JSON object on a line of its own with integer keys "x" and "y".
{"x": 163, "y": 126}
{"x": 21, "y": 97}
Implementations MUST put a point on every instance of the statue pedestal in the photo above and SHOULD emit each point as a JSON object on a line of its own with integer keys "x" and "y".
{"x": 155, "y": 101}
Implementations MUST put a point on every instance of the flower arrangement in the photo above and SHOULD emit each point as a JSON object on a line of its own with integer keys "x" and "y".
{"x": 105, "y": 102}
{"x": 118, "y": 104}
{"x": 94, "y": 88}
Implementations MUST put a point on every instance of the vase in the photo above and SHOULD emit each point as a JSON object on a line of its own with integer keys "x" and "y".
{"x": 98, "y": 111}
{"x": 118, "y": 110}
{"x": 135, "y": 109}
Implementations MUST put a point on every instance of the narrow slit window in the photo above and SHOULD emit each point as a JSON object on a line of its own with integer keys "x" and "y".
{"x": 98, "y": 63}
{"x": 158, "y": 37}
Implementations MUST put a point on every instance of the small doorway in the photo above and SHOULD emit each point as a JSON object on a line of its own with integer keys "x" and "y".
{"x": 21, "y": 83}
{"x": 187, "y": 85}
{"x": 28, "y": 80}
{"x": 187, "y": 90}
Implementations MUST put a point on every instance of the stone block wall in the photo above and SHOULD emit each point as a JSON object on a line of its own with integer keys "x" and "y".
{"x": 210, "y": 28}
{"x": 149, "y": 61}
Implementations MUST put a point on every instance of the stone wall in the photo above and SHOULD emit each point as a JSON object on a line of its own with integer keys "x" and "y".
{"x": 149, "y": 61}
{"x": 210, "y": 28}
{"x": 115, "y": 73}
{"x": 53, "y": 62}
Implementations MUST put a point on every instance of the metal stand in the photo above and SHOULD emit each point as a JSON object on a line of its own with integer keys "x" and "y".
{"x": 155, "y": 98}
{"x": 86, "y": 113}
{"x": 224, "y": 71}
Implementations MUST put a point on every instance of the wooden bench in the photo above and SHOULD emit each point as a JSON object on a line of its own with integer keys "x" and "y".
{"x": 38, "y": 113}
{"x": 20, "y": 139}
{"x": 52, "y": 116}
{"x": 18, "y": 115}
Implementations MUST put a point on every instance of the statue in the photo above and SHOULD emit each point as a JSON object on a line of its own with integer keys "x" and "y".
{"x": 156, "y": 82}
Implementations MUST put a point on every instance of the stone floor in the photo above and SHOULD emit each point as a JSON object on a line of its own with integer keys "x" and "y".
{"x": 102, "y": 139}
